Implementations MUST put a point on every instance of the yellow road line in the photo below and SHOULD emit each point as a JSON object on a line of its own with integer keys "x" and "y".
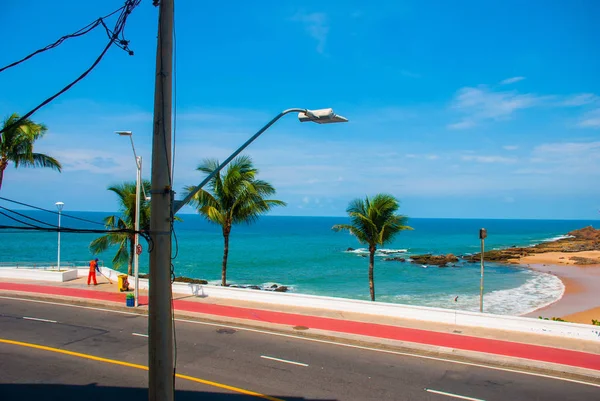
{"x": 136, "y": 366}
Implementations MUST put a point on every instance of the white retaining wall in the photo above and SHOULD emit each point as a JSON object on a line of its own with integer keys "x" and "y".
{"x": 37, "y": 274}
{"x": 448, "y": 316}
{"x": 423, "y": 313}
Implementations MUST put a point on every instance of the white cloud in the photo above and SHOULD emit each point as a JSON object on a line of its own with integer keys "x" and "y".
{"x": 421, "y": 156}
{"x": 510, "y": 147}
{"x": 94, "y": 161}
{"x": 590, "y": 120}
{"x": 580, "y": 99}
{"x": 581, "y": 159}
{"x": 568, "y": 148}
{"x": 481, "y": 104}
{"x": 464, "y": 124}
{"x": 512, "y": 80}
{"x": 316, "y": 25}
{"x": 489, "y": 159}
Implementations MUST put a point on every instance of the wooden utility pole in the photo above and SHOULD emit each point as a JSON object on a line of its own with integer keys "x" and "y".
{"x": 160, "y": 323}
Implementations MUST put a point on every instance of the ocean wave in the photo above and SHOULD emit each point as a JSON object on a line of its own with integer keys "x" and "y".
{"x": 558, "y": 237}
{"x": 540, "y": 290}
{"x": 378, "y": 252}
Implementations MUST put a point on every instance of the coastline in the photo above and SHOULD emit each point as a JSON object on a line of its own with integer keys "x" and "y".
{"x": 579, "y": 302}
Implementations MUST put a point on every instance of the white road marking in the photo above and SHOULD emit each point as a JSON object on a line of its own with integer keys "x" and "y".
{"x": 139, "y": 334}
{"x": 462, "y": 397}
{"x": 432, "y": 358}
{"x": 39, "y": 320}
{"x": 283, "y": 360}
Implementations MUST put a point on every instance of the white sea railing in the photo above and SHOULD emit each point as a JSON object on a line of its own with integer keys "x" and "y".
{"x": 43, "y": 265}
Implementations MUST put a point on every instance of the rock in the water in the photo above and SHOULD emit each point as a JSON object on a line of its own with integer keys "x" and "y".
{"x": 274, "y": 286}
{"x": 281, "y": 288}
{"x": 349, "y": 249}
{"x": 397, "y": 259}
{"x": 189, "y": 280}
{"x": 436, "y": 260}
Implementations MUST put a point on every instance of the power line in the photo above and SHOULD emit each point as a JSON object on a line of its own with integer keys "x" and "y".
{"x": 20, "y": 221}
{"x": 51, "y": 211}
{"x": 27, "y": 217}
{"x": 86, "y": 29}
{"x": 114, "y": 39}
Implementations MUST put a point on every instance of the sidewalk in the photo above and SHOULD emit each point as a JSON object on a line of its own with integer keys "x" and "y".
{"x": 490, "y": 343}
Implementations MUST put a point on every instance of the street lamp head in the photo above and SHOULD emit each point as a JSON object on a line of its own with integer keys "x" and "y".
{"x": 59, "y": 206}
{"x": 321, "y": 116}
{"x": 124, "y": 133}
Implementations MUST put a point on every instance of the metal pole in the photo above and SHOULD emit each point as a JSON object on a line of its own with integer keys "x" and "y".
{"x": 58, "y": 259}
{"x": 136, "y": 257}
{"x": 481, "y": 283}
{"x": 160, "y": 323}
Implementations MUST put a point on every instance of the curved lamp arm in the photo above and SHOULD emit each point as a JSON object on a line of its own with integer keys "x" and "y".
{"x": 178, "y": 204}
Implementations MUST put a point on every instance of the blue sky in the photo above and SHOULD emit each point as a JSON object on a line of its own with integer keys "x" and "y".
{"x": 460, "y": 109}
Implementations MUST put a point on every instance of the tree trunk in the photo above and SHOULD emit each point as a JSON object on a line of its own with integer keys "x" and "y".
{"x": 226, "y": 231}
{"x": 371, "y": 263}
{"x": 3, "y": 164}
{"x": 130, "y": 261}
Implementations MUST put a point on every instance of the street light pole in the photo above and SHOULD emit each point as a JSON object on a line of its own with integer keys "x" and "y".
{"x": 59, "y": 206}
{"x": 161, "y": 369}
{"x": 482, "y": 237}
{"x": 138, "y": 184}
{"x": 136, "y": 255}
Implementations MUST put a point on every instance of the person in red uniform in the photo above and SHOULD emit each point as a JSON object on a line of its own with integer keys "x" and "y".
{"x": 92, "y": 273}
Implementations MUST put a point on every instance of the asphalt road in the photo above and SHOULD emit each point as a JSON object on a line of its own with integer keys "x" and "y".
{"x": 278, "y": 366}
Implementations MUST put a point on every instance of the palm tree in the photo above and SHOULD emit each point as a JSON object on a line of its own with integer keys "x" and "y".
{"x": 16, "y": 145}
{"x": 374, "y": 222}
{"x": 124, "y": 241}
{"x": 234, "y": 197}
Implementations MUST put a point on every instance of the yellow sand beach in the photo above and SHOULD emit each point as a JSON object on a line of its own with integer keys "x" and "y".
{"x": 581, "y": 301}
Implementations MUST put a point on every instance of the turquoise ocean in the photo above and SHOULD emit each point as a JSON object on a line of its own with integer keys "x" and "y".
{"x": 304, "y": 254}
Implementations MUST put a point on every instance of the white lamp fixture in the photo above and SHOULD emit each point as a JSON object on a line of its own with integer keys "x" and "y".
{"x": 321, "y": 116}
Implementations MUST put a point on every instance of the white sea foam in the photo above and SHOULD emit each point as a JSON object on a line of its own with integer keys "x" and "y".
{"x": 539, "y": 290}
{"x": 559, "y": 237}
{"x": 379, "y": 252}
{"x": 392, "y": 251}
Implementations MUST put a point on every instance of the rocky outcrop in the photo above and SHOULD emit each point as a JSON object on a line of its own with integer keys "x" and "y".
{"x": 588, "y": 233}
{"x": 500, "y": 255}
{"x": 394, "y": 259}
{"x": 584, "y": 261}
{"x": 273, "y": 287}
{"x": 190, "y": 280}
{"x": 434, "y": 260}
{"x": 584, "y": 239}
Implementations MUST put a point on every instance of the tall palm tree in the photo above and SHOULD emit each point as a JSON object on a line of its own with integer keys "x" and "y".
{"x": 234, "y": 197}
{"x": 374, "y": 222}
{"x": 16, "y": 145}
{"x": 124, "y": 241}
